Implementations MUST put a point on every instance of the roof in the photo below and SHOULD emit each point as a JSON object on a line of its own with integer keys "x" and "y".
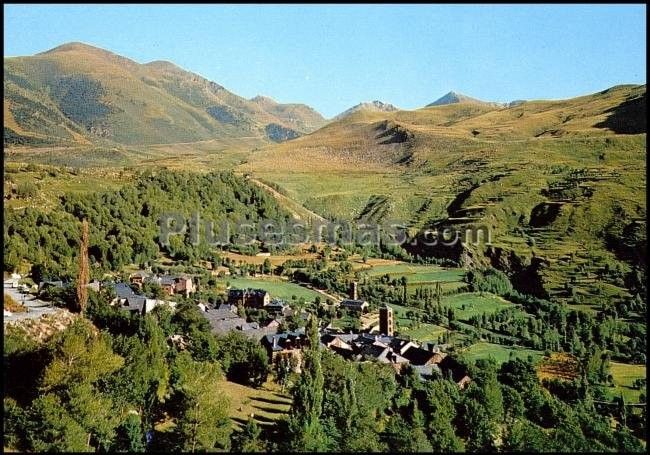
{"x": 56, "y": 283}
{"x": 226, "y": 306}
{"x": 346, "y": 337}
{"x": 382, "y": 354}
{"x": 354, "y": 303}
{"x": 135, "y": 303}
{"x": 400, "y": 345}
{"x": 247, "y": 292}
{"x": 123, "y": 290}
{"x": 418, "y": 356}
{"x": 141, "y": 273}
{"x": 278, "y": 341}
{"x": 427, "y": 371}
{"x": 367, "y": 338}
{"x": 220, "y": 314}
{"x": 167, "y": 279}
{"x": 226, "y": 325}
{"x": 276, "y": 304}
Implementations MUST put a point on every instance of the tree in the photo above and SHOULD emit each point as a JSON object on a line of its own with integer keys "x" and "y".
{"x": 249, "y": 439}
{"x": 267, "y": 267}
{"x": 404, "y": 283}
{"x": 129, "y": 435}
{"x": 79, "y": 354}
{"x": 404, "y": 436}
{"x": 144, "y": 380}
{"x": 305, "y": 429}
{"x": 83, "y": 276}
{"x": 284, "y": 365}
{"x": 439, "y": 405}
{"x": 81, "y": 357}
{"x": 202, "y": 422}
{"x": 52, "y": 428}
{"x": 244, "y": 360}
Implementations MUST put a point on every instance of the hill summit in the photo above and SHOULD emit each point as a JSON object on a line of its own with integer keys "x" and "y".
{"x": 372, "y": 106}
{"x": 454, "y": 98}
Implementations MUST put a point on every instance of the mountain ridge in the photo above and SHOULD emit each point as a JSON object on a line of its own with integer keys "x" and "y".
{"x": 76, "y": 90}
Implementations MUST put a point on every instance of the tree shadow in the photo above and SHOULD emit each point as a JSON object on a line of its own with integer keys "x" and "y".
{"x": 272, "y": 401}
{"x": 269, "y": 410}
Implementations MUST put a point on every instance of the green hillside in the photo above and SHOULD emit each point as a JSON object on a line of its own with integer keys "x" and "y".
{"x": 75, "y": 94}
{"x": 560, "y": 184}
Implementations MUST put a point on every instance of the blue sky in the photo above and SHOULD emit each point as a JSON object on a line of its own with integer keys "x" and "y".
{"x": 332, "y": 57}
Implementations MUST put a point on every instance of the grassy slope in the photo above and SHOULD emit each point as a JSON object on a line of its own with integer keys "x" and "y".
{"x": 498, "y": 352}
{"x": 267, "y": 403}
{"x": 345, "y": 169}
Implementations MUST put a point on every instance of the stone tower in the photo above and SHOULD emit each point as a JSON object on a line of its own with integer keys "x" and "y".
{"x": 386, "y": 321}
{"x": 354, "y": 295}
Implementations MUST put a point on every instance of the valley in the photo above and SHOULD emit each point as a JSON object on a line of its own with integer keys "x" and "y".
{"x": 549, "y": 312}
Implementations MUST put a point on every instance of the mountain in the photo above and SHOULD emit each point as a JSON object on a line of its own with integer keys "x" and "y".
{"x": 80, "y": 94}
{"x": 455, "y": 98}
{"x": 374, "y": 106}
{"x": 550, "y": 179}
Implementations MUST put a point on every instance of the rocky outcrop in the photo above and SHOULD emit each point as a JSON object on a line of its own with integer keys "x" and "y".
{"x": 279, "y": 133}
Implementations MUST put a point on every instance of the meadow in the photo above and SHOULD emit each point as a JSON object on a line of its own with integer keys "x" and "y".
{"x": 500, "y": 353}
{"x": 416, "y": 273}
{"x": 624, "y": 376}
{"x": 468, "y": 304}
{"x": 274, "y": 286}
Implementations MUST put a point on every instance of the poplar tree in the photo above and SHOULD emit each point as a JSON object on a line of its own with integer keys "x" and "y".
{"x": 83, "y": 276}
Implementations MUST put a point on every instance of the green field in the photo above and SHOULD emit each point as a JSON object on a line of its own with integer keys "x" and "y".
{"x": 500, "y": 353}
{"x": 624, "y": 376}
{"x": 470, "y": 304}
{"x": 416, "y": 273}
{"x": 277, "y": 288}
{"x": 423, "y": 332}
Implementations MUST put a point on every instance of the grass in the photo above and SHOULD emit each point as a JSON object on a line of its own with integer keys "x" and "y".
{"x": 423, "y": 332}
{"x": 416, "y": 273}
{"x": 419, "y": 331}
{"x": 274, "y": 286}
{"x": 624, "y": 376}
{"x": 11, "y": 305}
{"x": 501, "y": 354}
{"x": 468, "y": 304}
{"x": 344, "y": 170}
{"x": 267, "y": 403}
{"x": 51, "y": 182}
{"x": 275, "y": 259}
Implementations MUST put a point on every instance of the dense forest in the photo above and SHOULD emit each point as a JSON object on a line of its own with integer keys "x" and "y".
{"x": 124, "y": 224}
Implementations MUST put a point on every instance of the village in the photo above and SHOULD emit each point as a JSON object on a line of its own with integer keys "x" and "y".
{"x": 376, "y": 340}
